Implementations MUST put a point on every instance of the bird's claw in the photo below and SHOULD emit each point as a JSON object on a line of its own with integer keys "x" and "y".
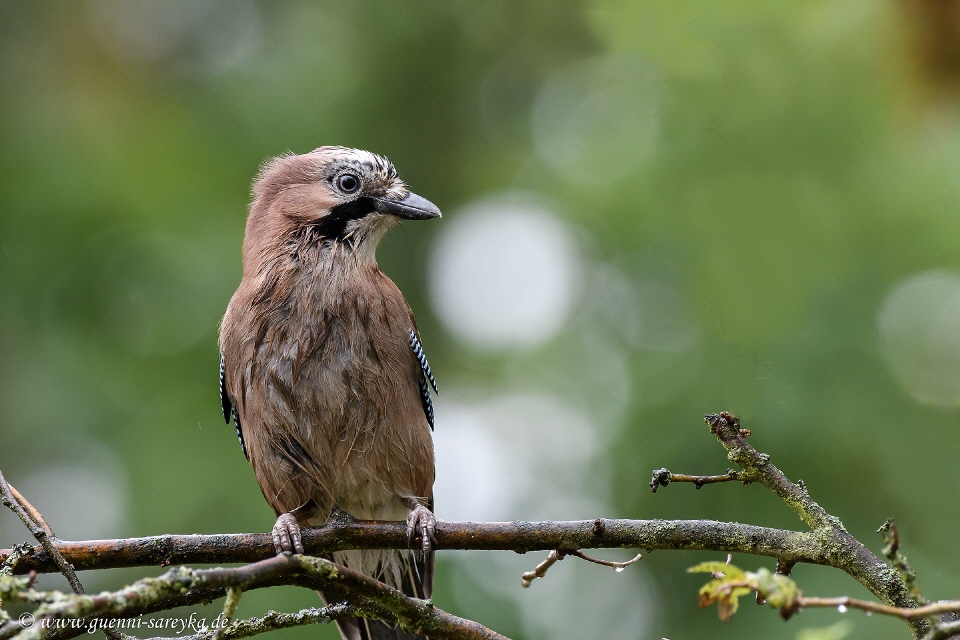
{"x": 286, "y": 535}
{"x": 423, "y": 523}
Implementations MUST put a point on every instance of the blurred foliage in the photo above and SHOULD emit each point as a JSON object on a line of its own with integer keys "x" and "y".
{"x": 797, "y": 163}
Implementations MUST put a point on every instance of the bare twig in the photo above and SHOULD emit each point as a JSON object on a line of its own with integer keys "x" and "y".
{"x": 40, "y": 532}
{"x": 31, "y": 510}
{"x": 527, "y": 578}
{"x": 38, "y": 526}
{"x": 904, "y": 613}
{"x": 756, "y": 467}
{"x": 663, "y": 477}
{"x": 229, "y": 608}
{"x": 616, "y": 566}
{"x": 541, "y": 569}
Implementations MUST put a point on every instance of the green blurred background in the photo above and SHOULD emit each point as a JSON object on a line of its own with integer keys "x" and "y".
{"x": 653, "y": 210}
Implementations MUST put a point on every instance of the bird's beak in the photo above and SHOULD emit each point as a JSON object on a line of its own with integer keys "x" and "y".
{"x": 413, "y": 207}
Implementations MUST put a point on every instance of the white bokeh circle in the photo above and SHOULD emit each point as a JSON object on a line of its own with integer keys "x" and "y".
{"x": 504, "y": 273}
{"x": 83, "y": 492}
{"x": 491, "y": 463}
{"x": 919, "y": 332}
{"x": 598, "y": 121}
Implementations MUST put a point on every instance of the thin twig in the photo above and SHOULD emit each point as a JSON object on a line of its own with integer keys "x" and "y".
{"x": 40, "y": 532}
{"x": 229, "y": 608}
{"x": 527, "y": 578}
{"x": 904, "y": 613}
{"x": 663, "y": 477}
{"x": 756, "y": 467}
{"x": 617, "y": 566}
{"x": 541, "y": 569}
{"x": 35, "y": 515}
{"x": 38, "y": 526}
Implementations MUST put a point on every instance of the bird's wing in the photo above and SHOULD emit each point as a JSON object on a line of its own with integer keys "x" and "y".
{"x": 426, "y": 376}
{"x": 229, "y": 409}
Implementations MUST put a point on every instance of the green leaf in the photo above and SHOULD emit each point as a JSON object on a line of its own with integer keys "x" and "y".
{"x": 730, "y": 582}
{"x": 726, "y": 589}
{"x": 779, "y": 591}
{"x": 728, "y": 570}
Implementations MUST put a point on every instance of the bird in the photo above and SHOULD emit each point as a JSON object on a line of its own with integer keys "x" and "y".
{"x": 322, "y": 369}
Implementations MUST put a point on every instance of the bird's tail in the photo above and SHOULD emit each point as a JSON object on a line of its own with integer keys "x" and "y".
{"x": 407, "y": 570}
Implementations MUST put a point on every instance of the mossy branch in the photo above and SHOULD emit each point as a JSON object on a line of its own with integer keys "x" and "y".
{"x": 826, "y": 542}
{"x": 369, "y": 597}
{"x": 893, "y": 587}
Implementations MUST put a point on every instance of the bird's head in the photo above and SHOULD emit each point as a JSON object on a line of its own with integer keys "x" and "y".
{"x": 334, "y": 195}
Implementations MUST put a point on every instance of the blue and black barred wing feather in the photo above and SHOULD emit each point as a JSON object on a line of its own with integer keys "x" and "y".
{"x": 228, "y": 408}
{"x": 426, "y": 378}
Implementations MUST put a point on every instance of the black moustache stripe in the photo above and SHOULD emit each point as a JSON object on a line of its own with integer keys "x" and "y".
{"x": 334, "y": 224}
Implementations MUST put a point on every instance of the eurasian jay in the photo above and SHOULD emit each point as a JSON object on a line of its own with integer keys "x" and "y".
{"x": 321, "y": 365}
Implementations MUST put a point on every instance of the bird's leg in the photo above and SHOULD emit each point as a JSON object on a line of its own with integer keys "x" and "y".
{"x": 421, "y": 521}
{"x": 286, "y": 535}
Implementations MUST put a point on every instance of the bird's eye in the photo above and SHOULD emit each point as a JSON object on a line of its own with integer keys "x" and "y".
{"x": 348, "y": 183}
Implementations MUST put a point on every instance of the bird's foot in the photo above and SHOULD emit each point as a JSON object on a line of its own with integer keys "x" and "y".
{"x": 286, "y": 535}
{"x": 423, "y": 523}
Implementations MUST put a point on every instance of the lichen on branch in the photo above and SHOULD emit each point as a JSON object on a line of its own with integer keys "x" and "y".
{"x": 826, "y": 542}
